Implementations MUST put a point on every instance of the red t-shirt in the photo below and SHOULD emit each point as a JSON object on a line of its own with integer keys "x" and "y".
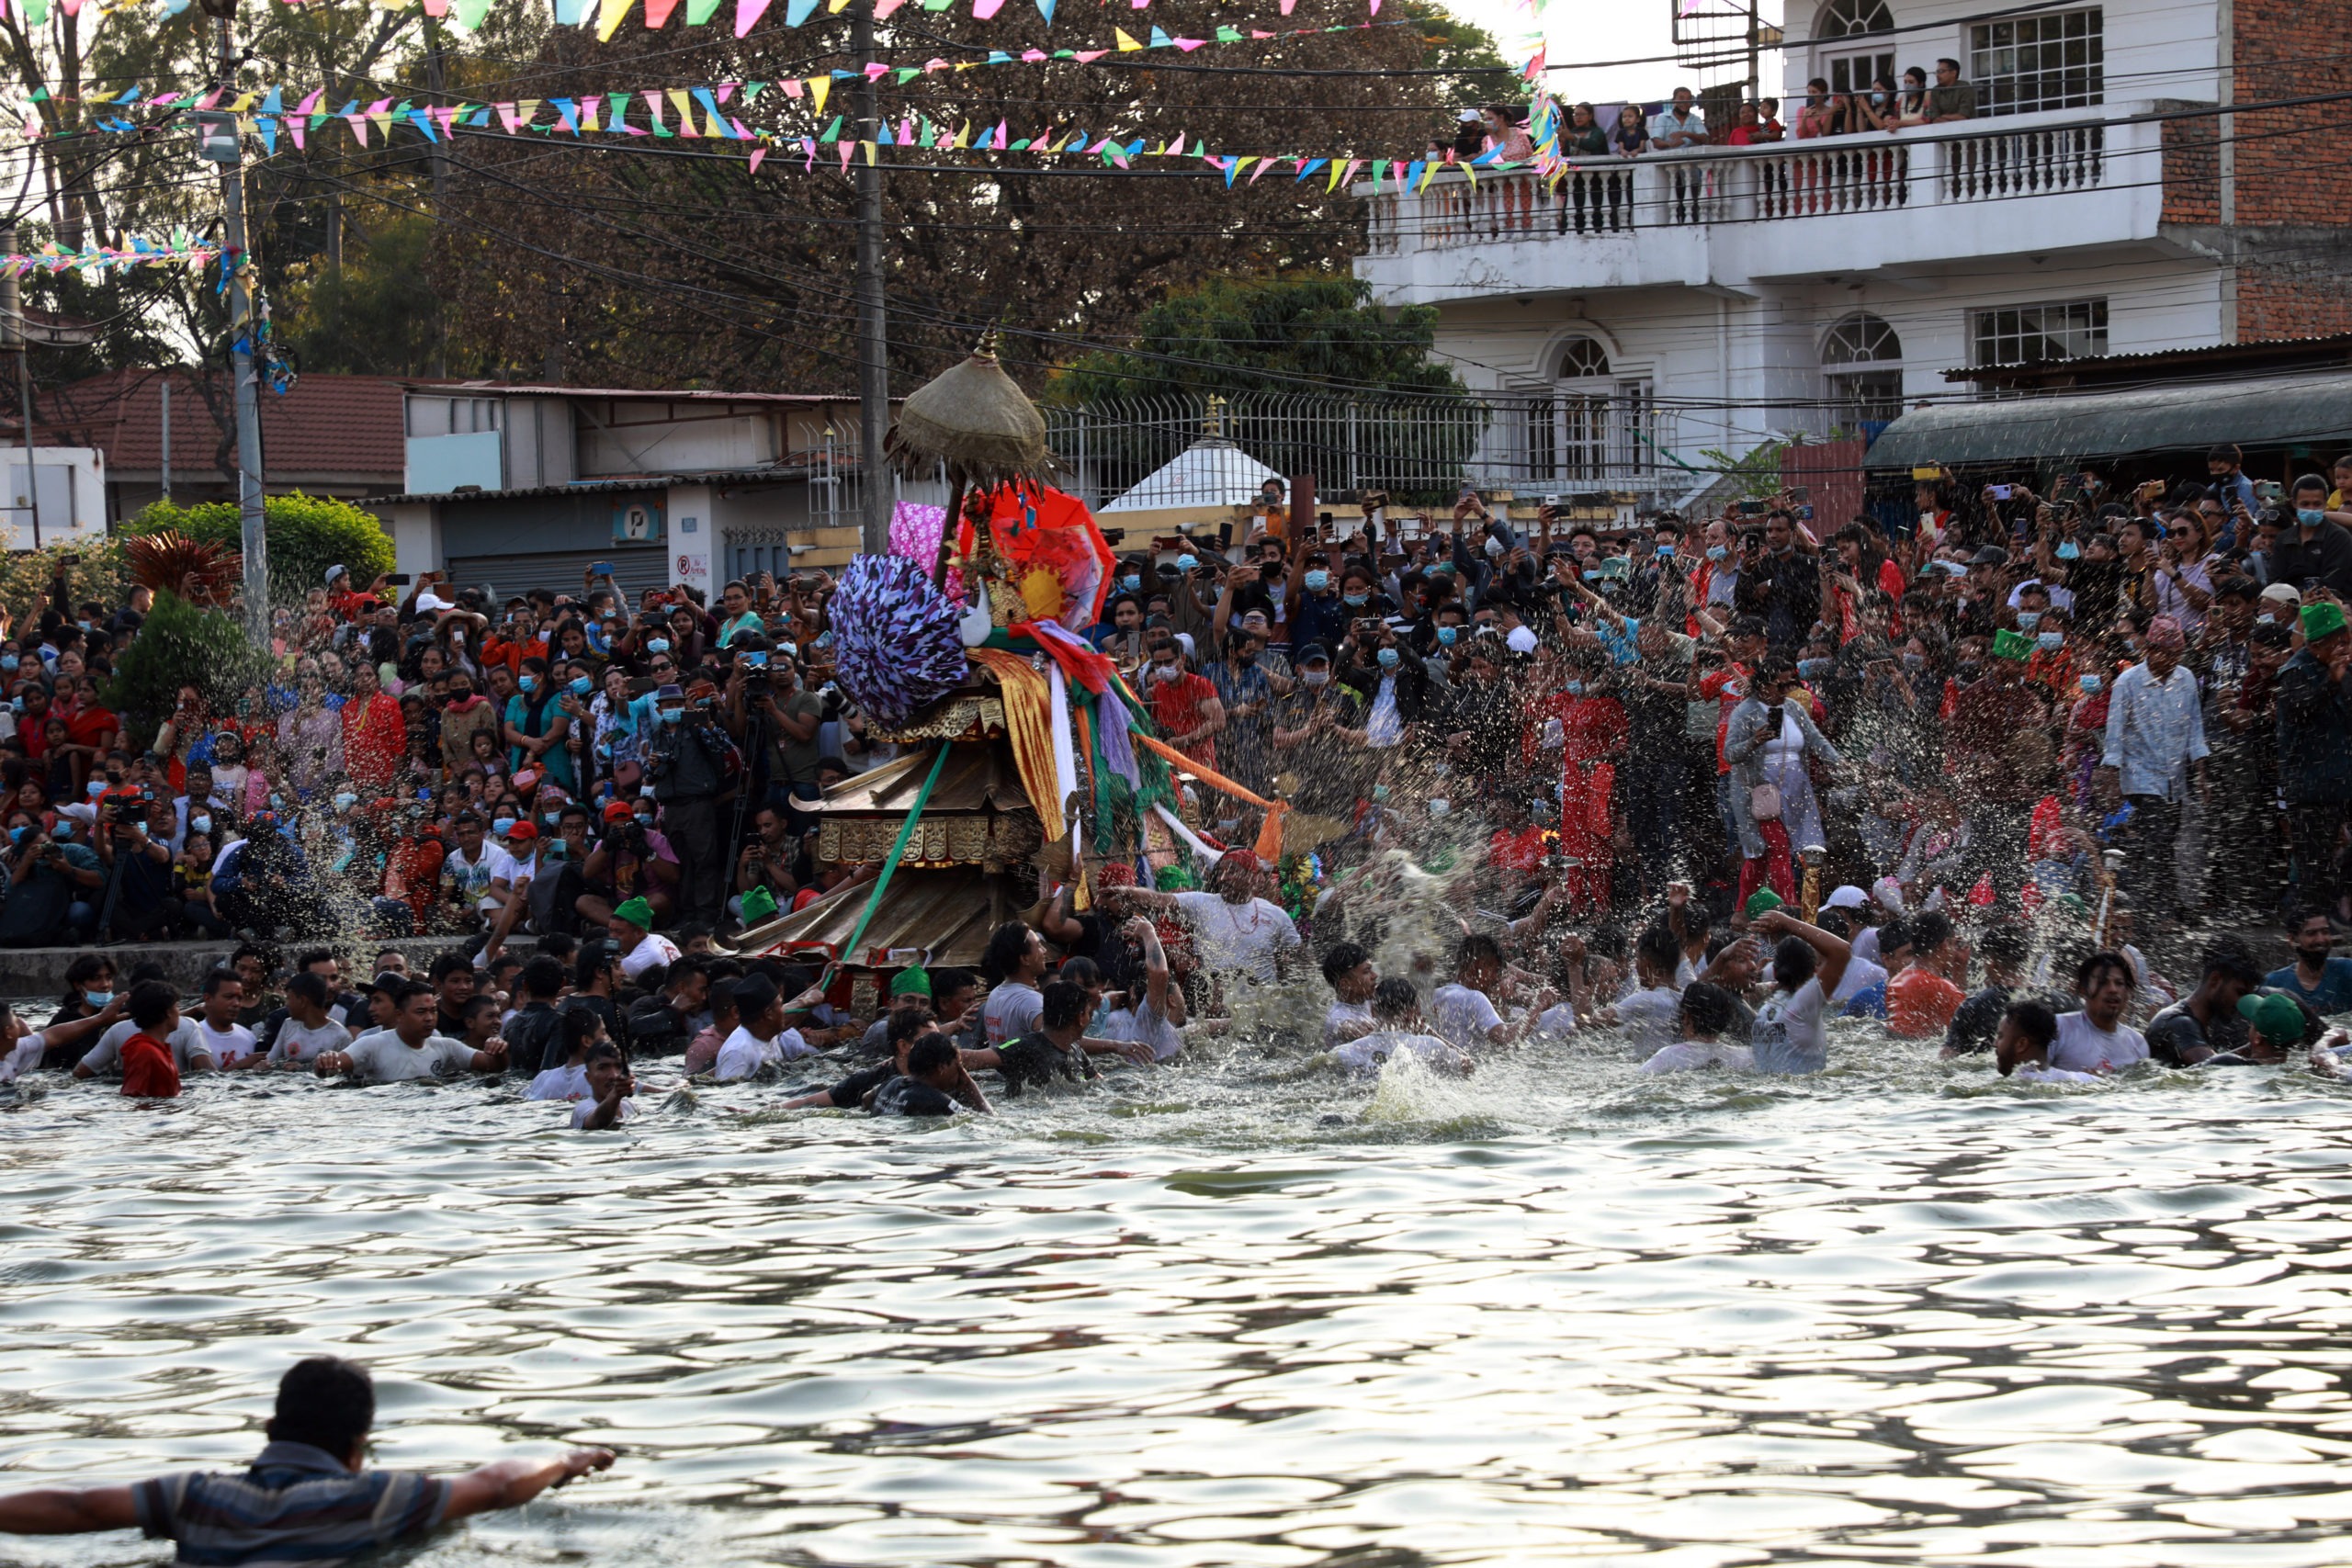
{"x": 1728, "y": 688}
{"x": 1176, "y": 708}
{"x": 375, "y": 734}
{"x": 148, "y": 1070}
{"x": 1919, "y": 1004}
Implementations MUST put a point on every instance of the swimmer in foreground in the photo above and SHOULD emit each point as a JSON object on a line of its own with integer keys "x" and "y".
{"x": 307, "y": 1497}
{"x": 2021, "y": 1049}
{"x": 1397, "y": 1027}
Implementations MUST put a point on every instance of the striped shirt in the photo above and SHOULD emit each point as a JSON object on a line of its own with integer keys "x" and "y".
{"x": 298, "y": 1506}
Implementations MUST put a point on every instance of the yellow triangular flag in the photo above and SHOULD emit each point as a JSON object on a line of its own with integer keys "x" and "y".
{"x": 1426, "y": 175}
{"x": 962, "y": 135}
{"x": 818, "y": 88}
{"x": 590, "y": 108}
{"x": 832, "y": 6}
{"x": 244, "y": 101}
{"x": 608, "y": 20}
{"x": 526, "y": 111}
{"x": 1338, "y": 167}
{"x": 869, "y": 150}
{"x": 1126, "y": 43}
{"x": 685, "y": 109}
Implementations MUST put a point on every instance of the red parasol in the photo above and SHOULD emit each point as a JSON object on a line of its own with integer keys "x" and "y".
{"x": 1036, "y": 527}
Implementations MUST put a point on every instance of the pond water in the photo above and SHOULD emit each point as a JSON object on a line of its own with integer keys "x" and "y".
{"x": 1238, "y": 1311}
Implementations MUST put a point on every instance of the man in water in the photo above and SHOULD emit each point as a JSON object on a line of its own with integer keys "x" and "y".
{"x": 2096, "y": 1039}
{"x": 409, "y": 1049}
{"x": 1648, "y": 1014}
{"x": 1396, "y": 1017}
{"x": 1464, "y": 1011}
{"x": 928, "y": 1088}
{"x": 1807, "y": 963}
{"x": 610, "y": 1085}
{"x": 1057, "y": 1049}
{"x": 2322, "y": 982}
{"x": 307, "y": 1498}
{"x": 2206, "y": 1021}
{"x": 1977, "y": 1023}
{"x": 2021, "y": 1048}
{"x": 1703, "y": 1013}
{"x": 1923, "y": 999}
{"x": 1348, "y": 970}
{"x": 761, "y": 1041}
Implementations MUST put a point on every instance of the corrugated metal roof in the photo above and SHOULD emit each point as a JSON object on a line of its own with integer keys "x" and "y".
{"x": 793, "y": 474}
{"x": 2281, "y": 411}
{"x": 2312, "y": 345}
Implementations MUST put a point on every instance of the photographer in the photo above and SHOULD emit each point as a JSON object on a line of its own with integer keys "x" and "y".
{"x": 54, "y": 887}
{"x": 262, "y": 882}
{"x": 767, "y": 860}
{"x": 135, "y": 844}
{"x": 694, "y": 765}
{"x": 767, "y": 709}
{"x": 632, "y": 861}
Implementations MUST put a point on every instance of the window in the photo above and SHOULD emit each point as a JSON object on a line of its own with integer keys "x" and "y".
{"x": 2039, "y": 63}
{"x": 1863, "y": 361}
{"x": 2024, "y": 334}
{"x": 1581, "y": 357}
{"x": 1849, "y": 69}
{"x": 1846, "y": 19}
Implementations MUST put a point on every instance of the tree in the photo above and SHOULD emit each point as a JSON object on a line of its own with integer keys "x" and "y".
{"x": 307, "y": 535}
{"x": 179, "y": 645}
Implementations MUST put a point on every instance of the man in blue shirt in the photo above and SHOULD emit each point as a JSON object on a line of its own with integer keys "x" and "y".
{"x": 306, "y": 1498}
{"x": 2324, "y": 984}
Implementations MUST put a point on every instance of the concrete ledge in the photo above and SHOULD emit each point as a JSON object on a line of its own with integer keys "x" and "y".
{"x": 39, "y": 972}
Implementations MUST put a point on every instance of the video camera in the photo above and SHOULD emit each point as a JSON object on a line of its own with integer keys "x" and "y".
{"x": 125, "y": 805}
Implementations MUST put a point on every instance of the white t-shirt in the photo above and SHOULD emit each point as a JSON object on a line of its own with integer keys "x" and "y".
{"x": 1341, "y": 1014}
{"x": 1143, "y": 1025}
{"x": 1011, "y": 1011}
{"x": 567, "y": 1082}
{"x": 649, "y": 950}
{"x": 1647, "y": 1017}
{"x": 383, "y": 1057}
{"x": 1692, "y": 1056}
{"x": 2034, "y": 1072}
{"x": 1787, "y": 1037}
{"x": 298, "y": 1042}
{"x": 229, "y": 1048}
{"x": 1363, "y": 1057}
{"x": 1861, "y": 976}
{"x": 107, "y": 1055}
{"x": 1464, "y": 1017}
{"x": 744, "y": 1053}
{"x": 1560, "y": 1018}
{"x": 474, "y": 877}
{"x": 587, "y": 1107}
{"x": 1238, "y": 937}
{"x": 23, "y": 1056}
{"x": 2082, "y": 1048}
{"x": 1866, "y": 949}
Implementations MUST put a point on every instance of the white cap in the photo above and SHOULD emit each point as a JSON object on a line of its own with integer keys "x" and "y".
{"x": 1522, "y": 640}
{"x": 333, "y": 572}
{"x": 1847, "y": 898}
{"x": 2283, "y": 593}
{"x": 429, "y": 603}
{"x": 1890, "y": 893}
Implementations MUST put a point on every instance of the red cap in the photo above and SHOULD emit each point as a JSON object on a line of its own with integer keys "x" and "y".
{"x": 522, "y": 833}
{"x": 1115, "y": 873}
{"x": 619, "y": 811}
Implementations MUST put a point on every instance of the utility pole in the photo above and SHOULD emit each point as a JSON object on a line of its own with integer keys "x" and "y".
{"x": 873, "y": 338}
{"x": 228, "y": 149}
{"x": 12, "y": 336}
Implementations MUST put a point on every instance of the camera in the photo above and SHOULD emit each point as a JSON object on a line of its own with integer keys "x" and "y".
{"x": 830, "y": 694}
{"x": 125, "y": 807}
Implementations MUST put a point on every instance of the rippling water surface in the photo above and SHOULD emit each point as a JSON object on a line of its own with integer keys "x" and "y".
{"x": 1238, "y": 1312}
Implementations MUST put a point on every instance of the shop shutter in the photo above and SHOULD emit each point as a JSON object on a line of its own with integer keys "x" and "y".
{"x": 636, "y": 569}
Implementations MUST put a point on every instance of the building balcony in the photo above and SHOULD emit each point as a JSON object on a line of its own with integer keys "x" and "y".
{"x": 1730, "y": 219}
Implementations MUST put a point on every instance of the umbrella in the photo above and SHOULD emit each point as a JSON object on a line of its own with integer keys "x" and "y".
{"x": 973, "y": 420}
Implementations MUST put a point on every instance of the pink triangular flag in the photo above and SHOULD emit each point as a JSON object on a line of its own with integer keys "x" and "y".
{"x": 727, "y": 90}
{"x": 1089, "y": 56}
{"x": 847, "y": 147}
{"x": 876, "y": 70}
{"x": 748, "y": 14}
{"x": 656, "y": 12}
{"x": 757, "y": 154}
{"x": 882, "y": 9}
{"x": 984, "y": 9}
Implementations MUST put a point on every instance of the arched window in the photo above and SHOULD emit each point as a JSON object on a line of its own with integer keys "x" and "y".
{"x": 1863, "y": 359}
{"x": 1848, "y": 18}
{"x": 1581, "y": 357}
{"x": 1848, "y": 65}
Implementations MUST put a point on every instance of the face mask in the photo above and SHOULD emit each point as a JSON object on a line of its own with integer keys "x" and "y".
{"x": 1227, "y": 826}
{"x": 1356, "y": 601}
{"x": 1813, "y": 669}
{"x": 527, "y": 685}
{"x": 1877, "y": 100}
{"x": 1316, "y": 677}
{"x": 98, "y": 999}
{"x": 502, "y": 826}
{"x": 96, "y": 788}
{"x": 2028, "y": 619}
{"x": 1718, "y": 553}
{"x": 2069, "y": 550}
{"x": 674, "y": 716}
{"x": 1494, "y": 547}
{"x": 276, "y": 800}
{"x": 1132, "y": 582}
{"x": 645, "y": 821}
{"x": 1445, "y": 636}
{"x": 1165, "y": 672}
{"x": 1440, "y": 806}
{"x": 1969, "y": 674}
{"x": 17, "y": 835}
{"x": 1575, "y": 688}
{"x": 2091, "y": 682}
{"x": 346, "y": 801}
{"x": 2051, "y": 642}
{"x": 2310, "y": 516}
{"x": 581, "y": 685}
{"x": 9, "y": 662}
{"x": 1389, "y": 658}
{"x": 2265, "y": 620}
{"x": 1914, "y": 661}
{"x": 62, "y": 832}
{"x": 199, "y": 824}
{"x": 1317, "y": 580}
{"x": 657, "y": 645}
{"x": 1188, "y": 563}
{"x": 1380, "y": 792}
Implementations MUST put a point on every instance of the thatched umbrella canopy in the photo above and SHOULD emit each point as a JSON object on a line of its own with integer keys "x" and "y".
{"x": 972, "y": 419}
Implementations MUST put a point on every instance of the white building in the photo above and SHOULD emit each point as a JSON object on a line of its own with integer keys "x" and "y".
{"x": 1708, "y": 298}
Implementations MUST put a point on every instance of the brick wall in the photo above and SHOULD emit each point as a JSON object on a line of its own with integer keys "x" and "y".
{"x": 2192, "y": 168}
{"x": 2274, "y": 305}
{"x": 2289, "y": 162}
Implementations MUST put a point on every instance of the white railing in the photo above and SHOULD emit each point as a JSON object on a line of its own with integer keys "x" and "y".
{"x": 1991, "y": 159}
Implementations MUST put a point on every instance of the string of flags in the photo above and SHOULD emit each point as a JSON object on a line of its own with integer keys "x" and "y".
{"x": 607, "y": 16}
{"x": 181, "y": 249}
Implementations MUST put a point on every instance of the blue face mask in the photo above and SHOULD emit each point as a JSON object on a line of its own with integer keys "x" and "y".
{"x": 2051, "y": 642}
{"x": 1188, "y": 563}
{"x": 1592, "y": 577}
{"x": 2091, "y": 682}
{"x": 502, "y": 826}
{"x": 674, "y": 716}
{"x": 1445, "y": 636}
{"x": 1132, "y": 582}
{"x": 1718, "y": 553}
{"x": 1356, "y": 601}
{"x": 527, "y": 685}
{"x": 2069, "y": 550}
{"x": 62, "y": 832}
{"x": 17, "y": 835}
{"x": 1317, "y": 580}
{"x": 2310, "y": 516}
{"x": 96, "y": 788}
{"x": 9, "y": 662}
{"x": 199, "y": 824}
{"x": 1914, "y": 661}
{"x": 346, "y": 800}
{"x": 581, "y": 685}
{"x": 98, "y": 999}
{"x": 2028, "y": 619}
{"x": 1814, "y": 668}
{"x": 1575, "y": 688}
{"x": 657, "y": 645}
{"x": 276, "y": 800}
{"x": 1389, "y": 658}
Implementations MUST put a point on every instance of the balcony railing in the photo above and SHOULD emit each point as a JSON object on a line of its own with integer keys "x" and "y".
{"x": 1828, "y": 177}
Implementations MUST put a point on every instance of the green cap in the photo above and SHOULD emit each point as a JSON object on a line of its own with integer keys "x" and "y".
{"x": 1174, "y": 879}
{"x": 759, "y": 904}
{"x": 910, "y": 982}
{"x": 636, "y": 912}
{"x": 1763, "y": 899}
{"x": 2322, "y": 619}
{"x": 2012, "y": 644}
{"x": 2274, "y": 1015}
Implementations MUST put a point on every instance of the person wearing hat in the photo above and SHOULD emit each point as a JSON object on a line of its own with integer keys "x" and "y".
{"x": 640, "y": 949}
{"x": 1318, "y": 735}
{"x": 2156, "y": 746}
{"x": 2276, "y": 1025}
{"x": 346, "y": 605}
{"x": 633, "y": 859}
{"x": 689, "y": 769}
{"x": 2315, "y": 709}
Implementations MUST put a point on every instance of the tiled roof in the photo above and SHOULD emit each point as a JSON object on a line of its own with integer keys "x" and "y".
{"x": 327, "y": 425}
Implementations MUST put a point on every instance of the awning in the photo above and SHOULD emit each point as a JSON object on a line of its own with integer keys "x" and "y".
{"x": 2286, "y": 411}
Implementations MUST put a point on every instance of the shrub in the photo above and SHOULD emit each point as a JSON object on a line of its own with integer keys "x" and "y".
{"x": 25, "y": 575}
{"x": 181, "y": 644}
{"x": 307, "y": 535}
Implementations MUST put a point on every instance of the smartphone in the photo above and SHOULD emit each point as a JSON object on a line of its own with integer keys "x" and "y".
{"x": 69, "y": 560}
{"x": 601, "y": 567}
{"x": 398, "y": 580}
{"x": 1751, "y": 509}
{"x": 1804, "y": 511}
{"x": 2269, "y": 489}
{"x": 1225, "y": 535}
{"x": 2001, "y": 492}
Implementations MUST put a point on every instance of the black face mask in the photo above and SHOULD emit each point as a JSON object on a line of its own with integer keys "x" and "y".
{"x": 1246, "y": 658}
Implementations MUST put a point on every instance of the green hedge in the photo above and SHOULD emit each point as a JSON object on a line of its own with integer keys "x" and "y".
{"x": 307, "y": 535}
{"x": 100, "y": 574}
{"x": 178, "y": 644}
